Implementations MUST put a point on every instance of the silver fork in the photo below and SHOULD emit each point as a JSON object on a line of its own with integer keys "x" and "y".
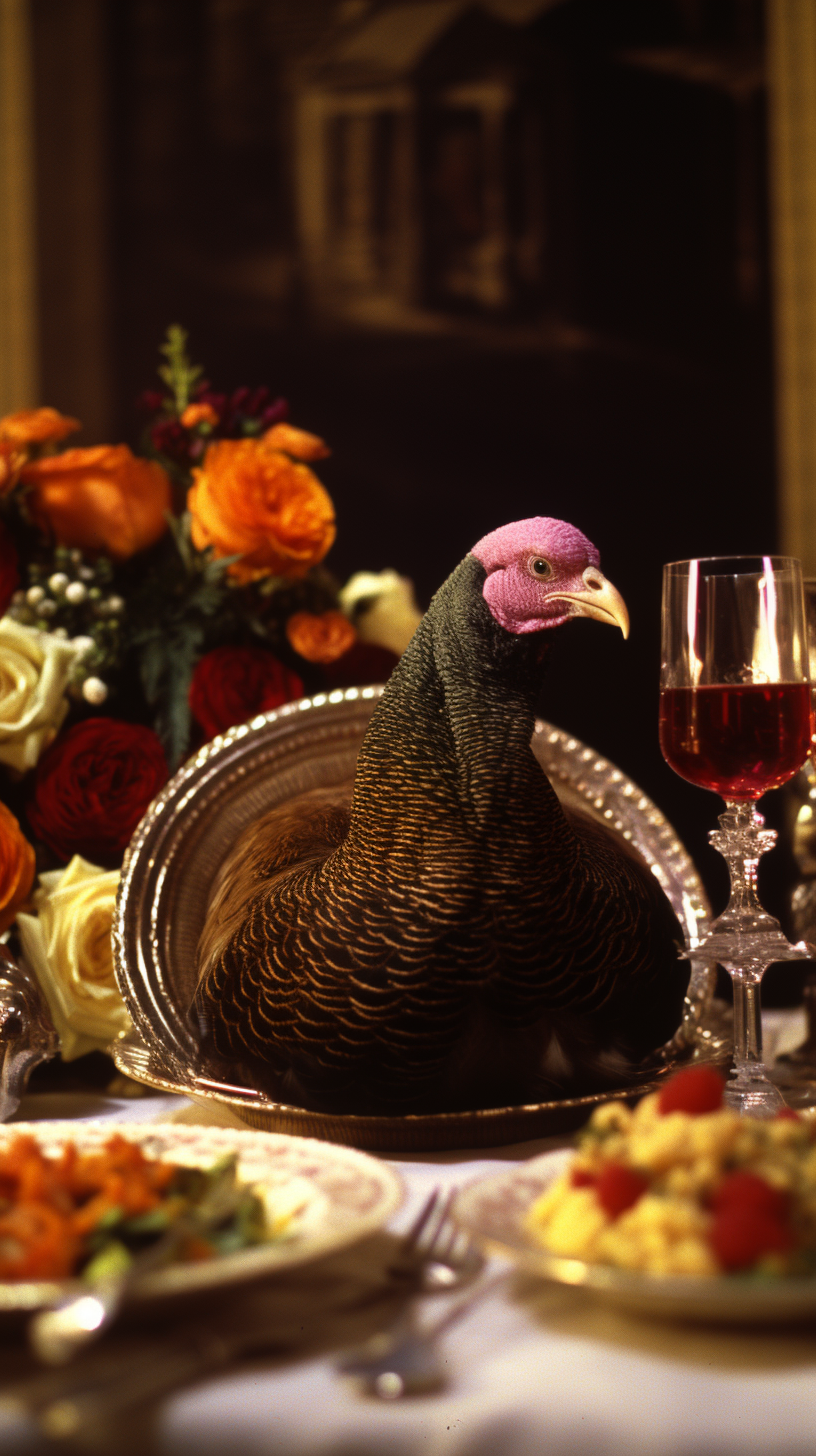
{"x": 405, "y": 1359}
{"x": 448, "y": 1257}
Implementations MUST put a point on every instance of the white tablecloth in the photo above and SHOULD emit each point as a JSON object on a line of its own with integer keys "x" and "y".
{"x": 533, "y": 1370}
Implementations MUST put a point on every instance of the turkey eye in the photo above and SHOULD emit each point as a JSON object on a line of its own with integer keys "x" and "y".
{"x": 539, "y": 567}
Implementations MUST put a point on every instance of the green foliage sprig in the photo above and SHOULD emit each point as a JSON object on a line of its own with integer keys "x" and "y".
{"x": 179, "y": 373}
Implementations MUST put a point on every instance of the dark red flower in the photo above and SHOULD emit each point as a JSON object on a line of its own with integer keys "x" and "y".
{"x": 9, "y": 576}
{"x": 170, "y": 438}
{"x": 150, "y": 400}
{"x": 364, "y": 663}
{"x": 92, "y": 787}
{"x": 231, "y": 684}
{"x": 274, "y": 413}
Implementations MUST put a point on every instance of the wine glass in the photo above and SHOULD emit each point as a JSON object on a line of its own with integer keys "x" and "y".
{"x": 735, "y": 717}
{"x": 797, "y": 1068}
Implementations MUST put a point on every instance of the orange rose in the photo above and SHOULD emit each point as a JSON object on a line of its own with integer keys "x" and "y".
{"x": 16, "y": 867}
{"x": 250, "y": 501}
{"x": 199, "y": 414}
{"x": 320, "y": 639}
{"x": 36, "y": 427}
{"x": 11, "y": 463}
{"x": 100, "y": 499}
{"x": 295, "y": 442}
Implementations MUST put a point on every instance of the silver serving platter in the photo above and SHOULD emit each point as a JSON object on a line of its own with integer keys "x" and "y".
{"x": 178, "y": 848}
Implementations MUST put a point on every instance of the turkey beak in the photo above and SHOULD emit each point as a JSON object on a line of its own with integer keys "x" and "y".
{"x": 600, "y": 599}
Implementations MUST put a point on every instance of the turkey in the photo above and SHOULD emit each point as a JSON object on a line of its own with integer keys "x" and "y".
{"x": 451, "y": 938}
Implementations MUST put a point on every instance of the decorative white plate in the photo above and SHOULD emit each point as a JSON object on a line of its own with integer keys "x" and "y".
{"x": 344, "y": 1194}
{"x": 495, "y": 1211}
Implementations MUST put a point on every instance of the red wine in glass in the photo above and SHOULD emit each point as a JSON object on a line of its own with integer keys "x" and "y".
{"x": 738, "y": 740}
{"x": 735, "y": 717}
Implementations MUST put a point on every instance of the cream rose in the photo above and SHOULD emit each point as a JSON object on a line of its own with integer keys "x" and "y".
{"x": 382, "y": 606}
{"x": 68, "y": 947}
{"x": 34, "y": 671}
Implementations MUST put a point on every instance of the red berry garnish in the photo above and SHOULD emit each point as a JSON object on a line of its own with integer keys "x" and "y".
{"x": 744, "y": 1190}
{"x": 741, "y": 1235}
{"x": 619, "y": 1188}
{"x": 787, "y": 1114}
{"x": 582, "y": 1178}
{"x": 694, "y": 1090}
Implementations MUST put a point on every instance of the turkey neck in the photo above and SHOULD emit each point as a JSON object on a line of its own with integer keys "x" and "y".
{"x": 451, "y": 734}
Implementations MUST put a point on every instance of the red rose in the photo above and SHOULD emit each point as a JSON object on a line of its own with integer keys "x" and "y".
{"x": 231, "y": 684}
{"x": 9, "y": 579}
{"x": 93, "y": 786}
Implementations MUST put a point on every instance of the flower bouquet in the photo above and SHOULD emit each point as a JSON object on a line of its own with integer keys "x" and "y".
{"x": 148, "y": 602}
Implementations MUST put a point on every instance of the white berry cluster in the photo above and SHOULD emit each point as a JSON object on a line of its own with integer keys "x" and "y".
{"x": 72, "y": 600}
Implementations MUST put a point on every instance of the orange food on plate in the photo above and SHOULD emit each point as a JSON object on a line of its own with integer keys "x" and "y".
{"x": 48, "y": 1205}
{"x": 89, "y": 1213}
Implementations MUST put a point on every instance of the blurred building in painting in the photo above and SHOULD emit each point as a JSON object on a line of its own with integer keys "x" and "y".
{"x": 421, "y": 144}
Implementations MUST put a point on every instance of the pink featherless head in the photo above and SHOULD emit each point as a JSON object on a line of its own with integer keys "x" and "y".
{"x": 540, "y": 533}
{"x": 541, "y": 572}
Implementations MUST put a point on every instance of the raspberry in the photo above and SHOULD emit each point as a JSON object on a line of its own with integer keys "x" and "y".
{"x": 582, "y": 1178}
{"x": 742, "y": 1234}
{"x": 747, "y": 1191}
{"x": 619, "y": 1188}
{"x": 694, "y": 1090}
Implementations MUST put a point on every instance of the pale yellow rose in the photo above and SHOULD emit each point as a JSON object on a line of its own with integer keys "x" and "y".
{"x": 382, "y": 607}
{"x": 34, "y": 671}
{"x": 68, "y": 947}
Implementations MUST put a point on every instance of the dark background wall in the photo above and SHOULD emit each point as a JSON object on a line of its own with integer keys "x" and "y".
{"x": 629, "y": 390}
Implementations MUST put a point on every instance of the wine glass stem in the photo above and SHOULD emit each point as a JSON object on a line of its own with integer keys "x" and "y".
{"x": 742, "y": 840}
{"x": 746, "y": 940}
{"x": 747, "y": 1023}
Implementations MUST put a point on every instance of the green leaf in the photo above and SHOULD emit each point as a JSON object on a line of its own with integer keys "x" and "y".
{"x": 179, "y": 374}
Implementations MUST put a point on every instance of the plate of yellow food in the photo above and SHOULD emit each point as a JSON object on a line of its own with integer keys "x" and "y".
{"x": 676, "y": 1207}
{"x": 80, "y": 1201}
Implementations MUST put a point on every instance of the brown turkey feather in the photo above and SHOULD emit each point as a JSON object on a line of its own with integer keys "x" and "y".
{"x": 457, "y": 941}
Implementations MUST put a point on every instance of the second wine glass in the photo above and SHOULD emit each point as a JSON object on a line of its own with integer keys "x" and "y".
{"x": 735, "y": 717}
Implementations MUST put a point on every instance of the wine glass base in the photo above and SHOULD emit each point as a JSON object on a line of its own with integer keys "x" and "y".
{"x": 750, "y": 946}
{"x": 794, "y": 1074}
{"x": 752, "y": 1094}
{"x": 799, "y": 1092}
